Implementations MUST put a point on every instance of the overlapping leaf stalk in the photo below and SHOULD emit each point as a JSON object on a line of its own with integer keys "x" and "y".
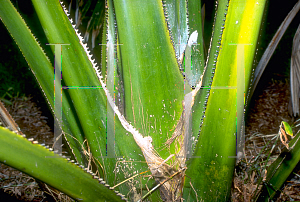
{"x": 161, "y": 111}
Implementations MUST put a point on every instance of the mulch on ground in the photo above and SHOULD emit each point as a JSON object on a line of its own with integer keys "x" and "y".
{"x": 32, "y": 123}
{"x": 262, "y": 126}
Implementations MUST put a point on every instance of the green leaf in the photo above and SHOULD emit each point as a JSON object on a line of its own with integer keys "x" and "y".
{"x": 198, "y": 55}
{"x": 41, "y": 68}
{"x": 152, "y": 81}
{"x": 77, "y": 72}
{"x": 279, "y": 171}
{"x": 177, "y": 14}
{"x": 84, "y": 110}
{"x": 210, "y": 169}
{"x": 42, "y": 164}
{"x": 287, "y": 128}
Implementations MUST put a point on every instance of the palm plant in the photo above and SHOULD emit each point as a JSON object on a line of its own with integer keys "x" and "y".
{"x": 145, "y": 109}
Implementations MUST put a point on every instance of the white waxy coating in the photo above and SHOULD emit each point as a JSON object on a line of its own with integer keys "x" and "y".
{"x": 193, "y": 38}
